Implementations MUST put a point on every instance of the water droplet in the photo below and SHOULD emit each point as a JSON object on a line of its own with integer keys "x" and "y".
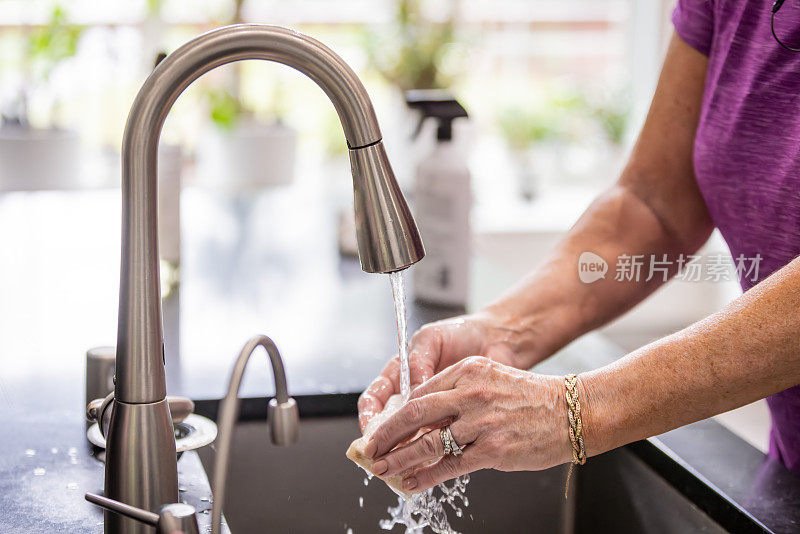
{"x": 366, "y": 481}
{"x": 205, "y": 499}
{"x": 73, "y": 461}
{"x": 72, "y": 486}
{"x": 30, "y": 452}
{"x": 72, "y": 451}
{"x": 361, "y": 502}
{"x": 39, "y": 471}
{"x": 181, "y": 489}
{"x": 54, "y": 450}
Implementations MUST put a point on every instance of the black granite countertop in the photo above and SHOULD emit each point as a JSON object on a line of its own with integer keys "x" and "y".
{"x": 47, "y": 464}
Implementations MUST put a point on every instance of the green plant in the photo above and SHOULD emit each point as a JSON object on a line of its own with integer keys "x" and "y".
{"x": 226, "y": 109}
{"x": 562, "y": 113}
{"x": 226, "y": 106}
{"x": 410, "y": 55}
{"x": 53, "y": 43}
{"x": 541, "y": 115}
{"x": 154, "y": 7}
{"x": 524, "y": 127}
{"x": 613, "y": 117}
{"x": 223, "y": 108}
{"x": 46, "y": 47}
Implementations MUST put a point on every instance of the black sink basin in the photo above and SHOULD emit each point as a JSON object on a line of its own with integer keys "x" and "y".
{"x": 311, "y": 487}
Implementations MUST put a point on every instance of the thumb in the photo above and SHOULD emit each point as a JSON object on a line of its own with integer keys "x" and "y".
{"x": 425, "y": 351}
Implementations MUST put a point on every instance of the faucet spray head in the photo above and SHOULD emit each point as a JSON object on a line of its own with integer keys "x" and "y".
{"x": 388, "y": 239}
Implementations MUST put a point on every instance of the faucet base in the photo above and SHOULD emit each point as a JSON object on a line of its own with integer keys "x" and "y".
{"x": 141, "y": 462}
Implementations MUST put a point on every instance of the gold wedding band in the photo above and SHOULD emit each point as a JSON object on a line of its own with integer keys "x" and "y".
{"x": 448, "y": 442}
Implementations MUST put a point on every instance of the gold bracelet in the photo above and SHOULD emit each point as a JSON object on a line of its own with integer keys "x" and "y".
{"x": 575, "y": 425}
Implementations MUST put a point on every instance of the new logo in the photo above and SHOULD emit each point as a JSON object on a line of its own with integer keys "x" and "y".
{"x": 591, "y": 267}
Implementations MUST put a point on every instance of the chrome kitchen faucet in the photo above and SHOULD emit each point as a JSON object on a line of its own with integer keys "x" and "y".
{"x": 141, "y": 465}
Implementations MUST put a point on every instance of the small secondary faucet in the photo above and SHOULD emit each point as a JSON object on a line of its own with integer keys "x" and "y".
{"x": 141, "y": 466}
{"x": 282, "y": 414}
{"x": 284, "y": 427}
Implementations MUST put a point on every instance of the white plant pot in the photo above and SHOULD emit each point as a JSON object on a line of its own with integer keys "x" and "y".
{"x": 34, "y": 159}
{"x": 252, "y": 155}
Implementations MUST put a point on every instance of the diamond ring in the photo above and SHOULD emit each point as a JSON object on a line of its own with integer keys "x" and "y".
{"x": 448, "y": 442}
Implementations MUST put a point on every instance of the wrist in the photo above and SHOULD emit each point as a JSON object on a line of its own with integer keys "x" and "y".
{"x": 529, "y": 337}
{"x": 598, "y": 417}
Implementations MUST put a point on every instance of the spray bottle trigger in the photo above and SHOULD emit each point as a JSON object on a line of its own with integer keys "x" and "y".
{"x": 418, "y": 129}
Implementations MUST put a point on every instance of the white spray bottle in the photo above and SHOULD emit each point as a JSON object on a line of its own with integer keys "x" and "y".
{"x": 442, "y": 199}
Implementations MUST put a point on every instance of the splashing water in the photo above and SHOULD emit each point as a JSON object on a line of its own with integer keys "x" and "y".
{"x": 426, "y": 509}
{"x": 423, "y": 509}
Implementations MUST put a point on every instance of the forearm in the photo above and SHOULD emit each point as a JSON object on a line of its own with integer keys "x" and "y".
{"x": 747, "y": 351}
{"x": 552, "y": 306}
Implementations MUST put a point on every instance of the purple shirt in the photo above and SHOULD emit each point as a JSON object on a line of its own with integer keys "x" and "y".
{"x": 746, "y": 149}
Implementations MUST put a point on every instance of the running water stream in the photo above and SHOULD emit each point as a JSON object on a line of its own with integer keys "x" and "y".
{"x": 399, "y": 294}
{"x": 424, "y": 509}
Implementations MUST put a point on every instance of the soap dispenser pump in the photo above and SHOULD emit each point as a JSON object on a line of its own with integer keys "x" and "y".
{"x": 442, "y": 199}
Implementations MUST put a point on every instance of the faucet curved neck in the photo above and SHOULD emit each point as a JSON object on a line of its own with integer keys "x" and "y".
{"x": 140, "y": 367}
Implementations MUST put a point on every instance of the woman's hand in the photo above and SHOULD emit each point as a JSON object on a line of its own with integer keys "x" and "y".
{"x": 439, "y": 345}
{"x": 504, "y": 418}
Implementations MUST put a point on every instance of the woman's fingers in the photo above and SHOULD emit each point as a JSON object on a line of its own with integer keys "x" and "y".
{"x": 374, "y": 398}
{"x": 415, "y": 414}
{"x": 426, "y": 448}
{"x": 447, "y": 468}
{"x": 422, "y": 451}
{"x": 425, "y": 351}
{"x": 449, "y": 377}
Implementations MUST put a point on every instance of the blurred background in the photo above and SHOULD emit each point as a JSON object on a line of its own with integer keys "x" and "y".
{"x": 562, "y": 78}
{"x": 567, "y": 75}
{"x": 556, "y": 92}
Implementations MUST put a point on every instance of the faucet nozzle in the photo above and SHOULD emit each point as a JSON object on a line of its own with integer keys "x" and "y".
{"x": 388, "y": 239}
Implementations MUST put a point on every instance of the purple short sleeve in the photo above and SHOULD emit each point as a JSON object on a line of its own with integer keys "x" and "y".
{"x": 694, "y": 23}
